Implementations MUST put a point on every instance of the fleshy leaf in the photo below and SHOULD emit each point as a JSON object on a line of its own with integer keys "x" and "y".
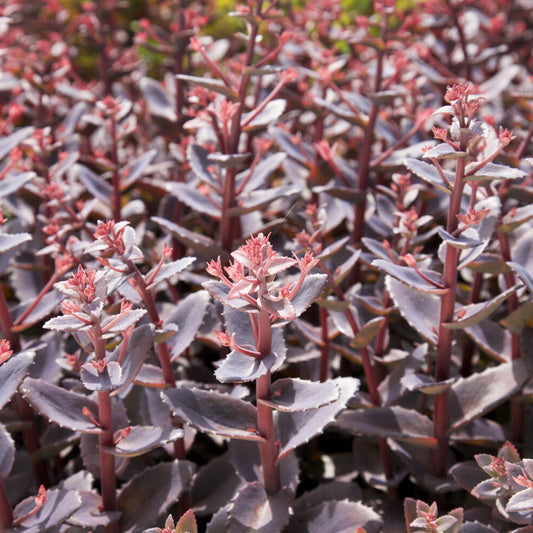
{"x": 139, "y": 345}
{"x": 12, "y": 372}
{"x": 14, "y": 181}
{"x": 7, "y": 452}
{"x": 420, "y": 309}
{"x": 253, "y": 509}
{"x": 492, "y": 338}
{"x": 261, "y": 172}
{"x": 60, "y": 405}
{"x": 193, "y": 198}
{"x": 188, "y": 316}
{"x": 197, "y": 156}
{"x": 292, "y": 395}
{"x": 136, "y": 168}
{"x": 309, "y": 292}
{"x": 298, "y": 428}
{"x": 493, "y": 171}
{"x": 8, "y": 241}
{"x": 212, "y": 412}
{"x": 220, "y": 291}
{"x": 523, "y": 273}
{"x": 477, "y": 394}
{"x": 207, "y": 497}
{"x": 470, "y": 315}
{"x": 237, "y": 367}
{"x": 520, "y": 318}
{"x": 159, "y": 104}
{"x": 254, "y": 200}
{"x": 215, "y": 85}
{"x": 521, "y": 501}
{"x": 90, "y": 514}
{"x": 340, "y": 516}
{"x": 170, "y": 269}
{"x": 9, "y": 142}
{"x": 268, "y": 115}
{"x": 389, "y": 422}
{"x": 142, "y": 439}
{"x": 95, "y": 184}
{"x": 367, "y": 333}
{"x": 428, "y": 173}
{"x": 410, "y": 277}
{"x": 149, "y": 494}
{"x": 107, "y": 380}
{"x": 66, "y": 323}
{"x": 426, "y": 384}
{"x": 516, "y": 217}
{"x": 461, "y": 242}
{"x": 443, "y": 151}
{"x": 58, "y": 507}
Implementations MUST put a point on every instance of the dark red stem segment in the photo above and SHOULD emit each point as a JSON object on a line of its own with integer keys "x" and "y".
{"x": 6, "y": 513}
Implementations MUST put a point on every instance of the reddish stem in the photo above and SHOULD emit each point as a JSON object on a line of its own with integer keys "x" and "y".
{"x": 6, "y": 513}
{"x": 324, "y": 349}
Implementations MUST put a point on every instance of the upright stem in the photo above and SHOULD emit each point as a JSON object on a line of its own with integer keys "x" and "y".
{"x": 6, "y": 513}
{"x": 324, "y": 349}
{"x": 265, "y": 421}
{"x": 117, "y": 215}
{"x": 105, "y": 438}
{"x": 446, "y": 335}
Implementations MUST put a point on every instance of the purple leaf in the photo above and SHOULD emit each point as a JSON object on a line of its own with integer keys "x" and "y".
{"x": 9, "y": 142}
{"x": 197, "y": 156}
{"x": 309, "y": 291}
{"x": 95, "y": 184}
{"x": 8, "y": 241}
{"x": 66, "y": 323}
{"x": 261, "y": 172}
{"x": 239, "y": 368}
{"x": 426, "y": 384}
{"x": 7, "y": 452}
{"x": 136, "y": 168}
{"x": 523, "y": 274}
{"x": 420, "y": 309}
{"x": 212, "y": 412}
{"x": 159, "y": 104}
{"x": 338, "y": 516}
{"x": 472, "y": 397}
{"x": 443, "y": 151}
{"x": 516, "y": 218}
{"x": 217, "y": 86}
{"x": 139, "y": 345}
{"x": 410, "y": 277}
{"x": 470, "y": 315}
{"x": 516, "y": 321}
{"x": 108, "y": 380}
{"x": 391, "y": 422}
{"x": 492, "y": 339}
{"x": 521, "y": 501}
{"x": 367, "y": 333}
{"x": 493, "y": 171}
{"x": 201, "y": 244}
{"x": 46, "y": 305}
{"x": 253, "y": 509}
{"x": 150, "y": 376}
{"x": 60, "y": 406}
{"x": 59, "y": 506}
{"x": 428, "y": 173}
{"x": 293, "y": 394}
{"x": 207, "y": 497}
{"x": 220, "y": 291}
{"x": 228, "y": 160}
{"x": 254, "y": 200}
{"x": 90, "y": 513}
{"x": 268, "y": 115}
{"x": 188, "y": 316}
{"x": 462, "y": 241}
{"x": 12, "y": 372}
{"x": 192, "y": 197}
{"x": 142, "y": 439}
{"x": 170, "y": 269}
{"x": 377, "y": 248}
{"x": 149, "y": 494}
{"x": 298, "y": 428}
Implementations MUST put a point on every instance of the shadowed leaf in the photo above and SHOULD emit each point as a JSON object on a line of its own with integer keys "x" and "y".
{"x": 12, "y": 372}
{"x": 60, "y": 405}
{"x": 150, "y": 493}
{"x": 7, "y": 452}
{"x": 159, "y": 104}
{"x": 212, "y": 412}
{"x": 410, "y": 277}
{"x": 142, "y": 439}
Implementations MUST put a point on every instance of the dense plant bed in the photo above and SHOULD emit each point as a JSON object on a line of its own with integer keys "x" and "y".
{"x": 266, "y": 270}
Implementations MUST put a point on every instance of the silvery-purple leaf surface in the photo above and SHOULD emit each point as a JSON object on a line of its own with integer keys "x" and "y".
{"x": 9, "y": 142}
{"x": 169, "y": 269}
{"x": 268, "y": 115}
{"x": 340, "y": 516}
{"x": 7, "y": 452}
{"x": 472, "y": 397}
{"x": 107, "y": 380}
{"x": 159, "y": 103}
{"x": 492, "y": 339}
{"x": 252, "y": 509}
{"x": 142, "y": 439}
{"x": 211, "y": 84}
{"x": 12, "y": 372}
{"x": 150, "y": 493}
{"x": 59, "y": 506}
{"x": 420, "y": 309}
{"x": 294, "y": 394}
{"x": 191, "y": 196}
{"x": 410, "y": 277}
{"x": 295, "y": 429}
{"x": 392, "y": 422}
{"x": 8, "y": 241}
{"x": 260, "y": 173}
{"x": 429, "y": 174}
{"x": 60, "y": 405}
{"x": 212, "y": 412}
{"x": 95, "y": 184}
{"x": 136, "y": 168}
{"x": 309, "y": 291}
